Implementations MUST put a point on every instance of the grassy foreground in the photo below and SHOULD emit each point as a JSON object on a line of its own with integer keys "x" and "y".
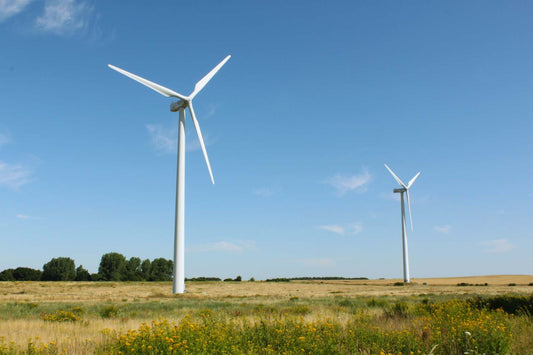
{"x": 348, "y": 317}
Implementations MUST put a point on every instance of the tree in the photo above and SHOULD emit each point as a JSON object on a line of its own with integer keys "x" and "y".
{"x": 146, "y": 268}
{"x": 133, "y": 269}
{"x": 82, "y": 274}
{"x": 161, "y": 270}
{"x": 59, "y": 269}
{"x": 112, "y": 267}
{"x": 7, "y": 275}
{"x": 27, "y": 274}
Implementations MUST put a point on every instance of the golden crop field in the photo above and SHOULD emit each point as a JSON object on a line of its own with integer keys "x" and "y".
{"x": 85, "y": 317}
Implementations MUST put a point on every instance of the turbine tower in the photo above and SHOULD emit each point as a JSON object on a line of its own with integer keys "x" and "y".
{"x": 184, "y": 102}
{"x": 404, "y": 188}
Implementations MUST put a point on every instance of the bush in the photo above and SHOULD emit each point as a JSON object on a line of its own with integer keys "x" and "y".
{"x": 27, "y": 274}
{"x": 508, "y": 303}
{"x": 60, "y": 316}
{"x": 109, "y": 312}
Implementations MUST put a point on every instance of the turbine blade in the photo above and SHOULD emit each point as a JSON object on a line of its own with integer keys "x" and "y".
{"x": 412, "y": 180}
{"x": 395, "y": 177}
{"x": 203, "y": 82}
{"x": 156, "y": 87}
{"x": 201, "y": 139}
{"x": 409, "y": 204}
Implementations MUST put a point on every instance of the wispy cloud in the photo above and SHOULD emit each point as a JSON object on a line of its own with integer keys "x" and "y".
{"x": 14, "y": 176}
{"x": 333, "y": 228}
{"x": 165, "y": 139}
{"x": 497, "y": 246}
{"x": 9, "y": 8}
{"x": 64, "y": 17}
{"x": 263, "y": 192}
{"x": 226, "y": 246}
{"x": 346, "y": 183}
{"x": 315, "y": 262}
{"x": 351, "y": 229}
{"x": 4, "y": 137}
{"x": 443, "y": 229}
{"x": 26, "y": 217}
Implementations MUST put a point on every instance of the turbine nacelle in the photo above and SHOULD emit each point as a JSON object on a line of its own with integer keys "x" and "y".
{"x": 399, "y": 190}
{"x": 176, "y": 106}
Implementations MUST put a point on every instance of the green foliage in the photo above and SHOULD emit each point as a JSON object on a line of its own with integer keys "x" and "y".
{"x": 204, "y": 278}
{"x": 112, "y": 267}
{"x": 82, "y": 274}
{"x": 59, "y": 269}
{"x": 279, "y": 279}
{"x": 508, "y": 303}
{"x": 61, "y": 316}
{"x": 109, "y": 311}
{"x": 146, "y": 268}
{"x": 162, "y": 270}
{"x": 27, "y": 274}
{"x": 7, "y": 275}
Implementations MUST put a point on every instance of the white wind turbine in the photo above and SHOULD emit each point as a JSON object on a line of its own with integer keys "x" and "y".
{"x": 180, "y": 105}
{"x": 404, "y": 188}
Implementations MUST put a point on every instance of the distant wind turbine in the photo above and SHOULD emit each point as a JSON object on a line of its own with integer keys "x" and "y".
{"x": 180, "y": 106}
{"x": 404, "y": 188}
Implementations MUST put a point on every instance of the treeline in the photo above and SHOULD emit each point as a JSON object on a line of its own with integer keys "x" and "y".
{"x": 287, "y": 279}
{"x": 113, "y": 267}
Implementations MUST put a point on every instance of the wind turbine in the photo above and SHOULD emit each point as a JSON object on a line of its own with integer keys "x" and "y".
{"x": 184, "y": 102}
{"x": 404, "y": 188}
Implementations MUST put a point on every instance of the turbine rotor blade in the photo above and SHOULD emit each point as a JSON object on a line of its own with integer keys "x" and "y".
{"x": 412, "y": 180}
{"x": 200, "y": 138}
{"x": 395, "y": 177}
{"x": 156, "y": 87}
{"x": 409, "y": 204}
{"x": 203, "y": 82}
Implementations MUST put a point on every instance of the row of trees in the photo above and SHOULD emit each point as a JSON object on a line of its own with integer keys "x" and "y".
{"x": 113, "y": 267}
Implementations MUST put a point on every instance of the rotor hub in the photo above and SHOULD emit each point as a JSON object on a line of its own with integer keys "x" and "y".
{"x": 180, "y": 104}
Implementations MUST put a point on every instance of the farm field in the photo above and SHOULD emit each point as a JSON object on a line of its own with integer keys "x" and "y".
{"x": 343, "y": 316}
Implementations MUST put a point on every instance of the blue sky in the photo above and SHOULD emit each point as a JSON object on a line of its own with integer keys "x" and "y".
{"x": 298, "y": 124}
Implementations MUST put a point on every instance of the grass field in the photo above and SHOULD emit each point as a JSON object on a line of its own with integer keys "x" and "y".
{"x": 359, "y": 316}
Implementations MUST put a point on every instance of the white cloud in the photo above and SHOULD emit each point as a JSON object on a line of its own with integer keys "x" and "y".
{"x": 14, "y": 176}
{"x": 352, "y": 229}
{"x": 344, "y": 183}
{"x": 263, "y": 192}
{"x": 315, "y": 262}
{"x": 23, "y": 216}
{"x": 165, "y": 139}
{"x": 9, "y": 8}
{"x": 497, "y": 246}
{"x": 356, "y": 229}
{"x": 64, "y": 17}
{"x": 236, "y": 246}
{"x": 443, "y": 229}
{"x": 333, "y": 228}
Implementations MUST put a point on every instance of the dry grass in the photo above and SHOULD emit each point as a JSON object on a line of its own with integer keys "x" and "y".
{"x": 74, "y": 338}
{"x": 115, "y": 291}
{"x": 83, "y": 337}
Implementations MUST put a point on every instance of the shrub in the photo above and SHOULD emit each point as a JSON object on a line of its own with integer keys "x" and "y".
{"x": 508, "y": 303}
{"x": 60, "y": 316}
{"x": 109, "y": 312}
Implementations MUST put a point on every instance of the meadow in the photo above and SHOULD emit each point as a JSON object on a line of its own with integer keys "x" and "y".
{"x": 476, "y": 315}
